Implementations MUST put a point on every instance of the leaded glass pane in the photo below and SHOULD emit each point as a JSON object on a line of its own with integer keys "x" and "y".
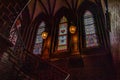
{"x": 90, "y": 29}
{"x": 40, "y": 30}
{"x": 61, "y": 48}
{"x": 39, "y": 39}
{"x": 38, "y": 42}
{"x": 42, "y": 25}
{"x": 62, "y": 35}
{"x": 62, "y": 40}
{"x": 37, "y": 48}
{"x": 63, "y": 29}
{"x": 88, "y": 21}
{"x": 91, "y": 38}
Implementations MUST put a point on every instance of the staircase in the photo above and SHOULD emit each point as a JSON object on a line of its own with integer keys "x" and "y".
{"x": 6, "y": 69}
{"x": 21, "y": 64}
{"x": 88, "y": 67}
{"x": 31, "y": 67}
{"x": 9, "y": 11}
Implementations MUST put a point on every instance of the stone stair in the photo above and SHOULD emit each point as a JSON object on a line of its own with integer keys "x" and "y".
{"x": 95, "y": 67}
{"x": 6, "y": 69}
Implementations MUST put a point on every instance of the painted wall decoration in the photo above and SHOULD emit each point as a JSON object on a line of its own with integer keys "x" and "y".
{"x": 13, "y": 32}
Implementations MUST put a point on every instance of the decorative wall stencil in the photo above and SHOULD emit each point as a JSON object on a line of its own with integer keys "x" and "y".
{"x": 13, "y": 32}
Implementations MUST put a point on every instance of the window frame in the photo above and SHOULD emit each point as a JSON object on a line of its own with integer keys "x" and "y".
{"x": 40, "y": 26}
{"x": 91, "y": 15}
{"x": 58, "y": 35}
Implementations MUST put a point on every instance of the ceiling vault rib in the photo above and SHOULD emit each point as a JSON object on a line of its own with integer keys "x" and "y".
{"x": 34, "y": 7}
{"x": 49, "y": 6}
{"x": 44, "y": 7}
{"x": 72, "y": 4}
{"x": 68, "y": 4}
{"x": 53, "y": 7}
{"x": 76, "y": 3}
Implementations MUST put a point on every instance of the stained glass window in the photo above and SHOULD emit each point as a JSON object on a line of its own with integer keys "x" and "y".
{"x": 91, "y": 37}
{"x": 62, "y": 35}
{"x": 13, "y": 32}
{"x": 38, "y": 41}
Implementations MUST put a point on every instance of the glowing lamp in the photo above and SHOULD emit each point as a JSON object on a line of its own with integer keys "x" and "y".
{"x": 44, "y": 35}
{"x": 72, "y": 29}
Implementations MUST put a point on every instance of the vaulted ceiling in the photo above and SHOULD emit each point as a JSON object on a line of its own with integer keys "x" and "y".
{"x": 50, "y": 7}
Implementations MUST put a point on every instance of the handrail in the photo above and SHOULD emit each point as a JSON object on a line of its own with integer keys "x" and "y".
{"x": 53, "y": 68}
{"x": 26, "y": 53}
{"x": 30, "y": 54}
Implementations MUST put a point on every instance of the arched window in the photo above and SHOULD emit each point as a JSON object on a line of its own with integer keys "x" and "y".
{"x": 38, "y": 41}
{"x": 13, "y": 32}
{"x": 62, "y": 35}
{"x": 90, "y": 30}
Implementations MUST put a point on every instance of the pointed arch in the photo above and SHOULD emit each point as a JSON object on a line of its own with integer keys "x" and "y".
{"x": 38, "y": 40}
{"x": 62, "y": 40}
{"x": 90, "y": 30}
